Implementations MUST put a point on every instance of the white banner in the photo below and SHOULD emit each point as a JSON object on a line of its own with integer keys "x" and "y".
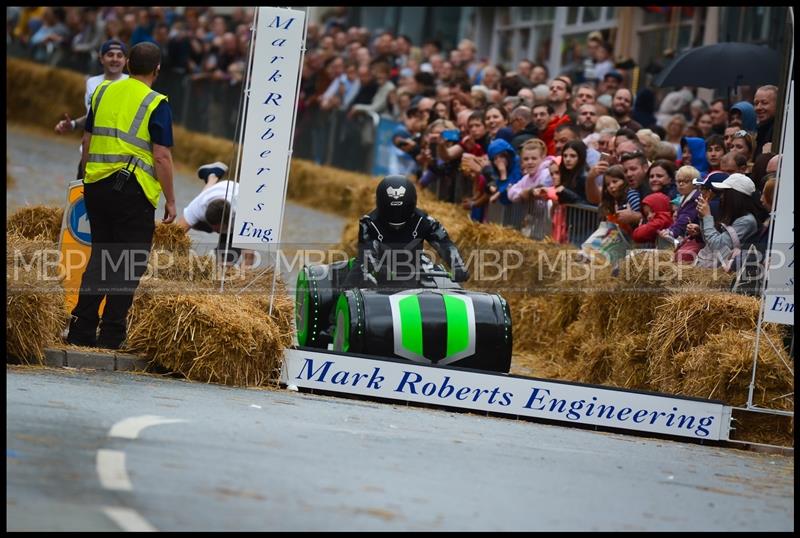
{"x": 486, "y": 391}
{"x": 779, "y": 291}
{"x": 269, "y": 127}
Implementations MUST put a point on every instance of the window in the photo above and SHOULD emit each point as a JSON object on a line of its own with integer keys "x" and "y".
{"x": 522, "y": 33}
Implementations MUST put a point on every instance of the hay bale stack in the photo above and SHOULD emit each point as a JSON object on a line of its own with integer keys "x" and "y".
{"x": 37, "y": 222}
{"x": 721, "y": 369}
{"x": 168, "y": 266}
{"x": 40, "y": 95}
{"x": 35, "y": 314}
{"x": 761, "y": 428}
{"x": 348, "y": 194}
{"x": 171, "y": 237}
{"x": 535, "y": 365}
{"x": 195, "y": 149}
{"x": 686, "y": 320}
{"x": 210, "y": 336}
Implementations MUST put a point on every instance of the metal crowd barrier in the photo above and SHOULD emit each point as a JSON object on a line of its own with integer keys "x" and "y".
{"x": 582, "y": 220}
{"x": 535, "y": 219}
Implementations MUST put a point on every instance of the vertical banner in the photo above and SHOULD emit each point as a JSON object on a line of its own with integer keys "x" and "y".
{"x": 269, "y": 127}
{"x": 779, "y": 291}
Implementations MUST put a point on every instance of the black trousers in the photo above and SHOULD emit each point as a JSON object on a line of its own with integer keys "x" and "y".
{"x": 122, "y": 226}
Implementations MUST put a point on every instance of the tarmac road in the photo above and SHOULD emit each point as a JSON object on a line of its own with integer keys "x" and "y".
{"x": 86, "y": 453}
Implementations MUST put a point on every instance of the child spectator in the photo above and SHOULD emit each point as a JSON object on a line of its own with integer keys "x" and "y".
{"x": 657, "y": 215}
{"x": 687, "y": 202}
{"x": 536, "y": 167}
{"x": 687, "y": 244}
{"x": 559, "y": 212}
{"x": 612, "y": 237}
{"x": 693, "y": 153}
{"x": 477, "y": 141}
{"x": 743, "y": 143}
{"x": 572, "y": 172}
{"x": 502, "y": 171}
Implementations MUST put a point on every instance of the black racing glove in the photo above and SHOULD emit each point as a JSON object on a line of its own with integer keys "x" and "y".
{"x": 460, "y": 274}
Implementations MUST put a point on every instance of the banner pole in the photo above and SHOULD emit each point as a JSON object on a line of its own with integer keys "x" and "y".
{"x": 238, "y": 156}
{"x": 289, "y": 153}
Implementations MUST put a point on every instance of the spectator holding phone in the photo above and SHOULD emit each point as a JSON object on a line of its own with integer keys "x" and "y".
{"x": 442, "y": 155}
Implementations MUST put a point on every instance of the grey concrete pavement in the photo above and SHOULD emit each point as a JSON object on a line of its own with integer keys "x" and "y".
{"x": 277, "y": 460}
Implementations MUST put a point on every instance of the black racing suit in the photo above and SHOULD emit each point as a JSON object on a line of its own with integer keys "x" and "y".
{"x": 380, "y": 247}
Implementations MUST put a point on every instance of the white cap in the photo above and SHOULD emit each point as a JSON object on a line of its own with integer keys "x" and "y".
{"x": 737, "y": 182}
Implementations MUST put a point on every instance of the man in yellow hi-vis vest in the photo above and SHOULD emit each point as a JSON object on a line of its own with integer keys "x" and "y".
{"x": 127, "y": 163}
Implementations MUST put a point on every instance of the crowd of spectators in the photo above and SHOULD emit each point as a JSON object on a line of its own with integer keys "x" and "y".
{"x": 655, "y": 166}
{"x": 204, "y": 54}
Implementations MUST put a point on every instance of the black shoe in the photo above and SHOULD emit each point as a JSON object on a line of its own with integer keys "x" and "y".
{"x": 77, "y": 339}
{"x": 218, "y": 168}
{"x": 109, "y": 344}
{"x": 81, "y": 333}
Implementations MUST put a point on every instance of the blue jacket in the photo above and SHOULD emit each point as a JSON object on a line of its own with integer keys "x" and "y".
{"x": 697, "y": 147}
{"x": 514, "y": 174}
{"x": 748, "y": 115}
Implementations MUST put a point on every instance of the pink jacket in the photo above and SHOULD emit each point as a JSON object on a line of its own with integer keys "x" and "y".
{"x": 540, "y": 178}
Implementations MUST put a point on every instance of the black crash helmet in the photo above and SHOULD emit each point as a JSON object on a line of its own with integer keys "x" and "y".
{"x": 395, "y": 200}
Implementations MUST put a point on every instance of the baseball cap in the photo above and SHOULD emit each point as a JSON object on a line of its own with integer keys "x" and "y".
{"x": 713, "y": 179}
{"x": 614, "y": 74}
{"x": 738, "y": 182}
{"x": 113, "y": 44}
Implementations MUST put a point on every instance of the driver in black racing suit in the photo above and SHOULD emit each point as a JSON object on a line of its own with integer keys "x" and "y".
{"x": 395, "y": 227}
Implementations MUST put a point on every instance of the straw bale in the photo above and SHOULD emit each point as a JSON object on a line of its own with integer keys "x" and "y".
{"x": 685, "y": 320}
{"x": 169, "y": 266}
{"x": 40, "y": 95}
{"x": 171, "y": 237}
{"x": 209, "y": 336}
{"x": 721, "y": 369}
{"x": 761, "y": 428}
{"x": 35, "y": 314}
{"x": 195, "y": 149}
{"x": 535, "y": 365}
{"x": 586, "y": 356}
{"x": 36, "y": 222}
{"x": 31, "y": 255}
{"x": 628, "y": 360}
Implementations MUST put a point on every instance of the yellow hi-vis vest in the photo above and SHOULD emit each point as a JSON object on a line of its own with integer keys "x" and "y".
{"x": 120, "y": 133}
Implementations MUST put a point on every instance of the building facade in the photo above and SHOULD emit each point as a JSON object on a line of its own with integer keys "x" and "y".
{"x": 556, "y": 35}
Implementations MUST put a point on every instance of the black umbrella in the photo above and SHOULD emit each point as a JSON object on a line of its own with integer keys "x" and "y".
{"x": 722, "y": 66}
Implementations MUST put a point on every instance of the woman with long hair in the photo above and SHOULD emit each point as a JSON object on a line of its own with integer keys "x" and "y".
{"x": 573, "y": 173}
{"x": 737, "y": 222}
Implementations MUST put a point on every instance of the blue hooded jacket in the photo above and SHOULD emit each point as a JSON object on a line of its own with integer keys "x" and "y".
{"x": 697, "y": 147}
{"x": 749, "y": 122}
{"x": 497, "y": 147}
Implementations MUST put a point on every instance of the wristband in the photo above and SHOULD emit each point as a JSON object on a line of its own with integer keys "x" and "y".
{"x": 73, "y": 124}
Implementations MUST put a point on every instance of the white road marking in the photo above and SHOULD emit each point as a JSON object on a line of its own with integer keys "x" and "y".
{"x": 131, "y": 427}
{"x": 114, "y": 476}
{"x": 128, "y": 520}
{"x": 111, "y": 468}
